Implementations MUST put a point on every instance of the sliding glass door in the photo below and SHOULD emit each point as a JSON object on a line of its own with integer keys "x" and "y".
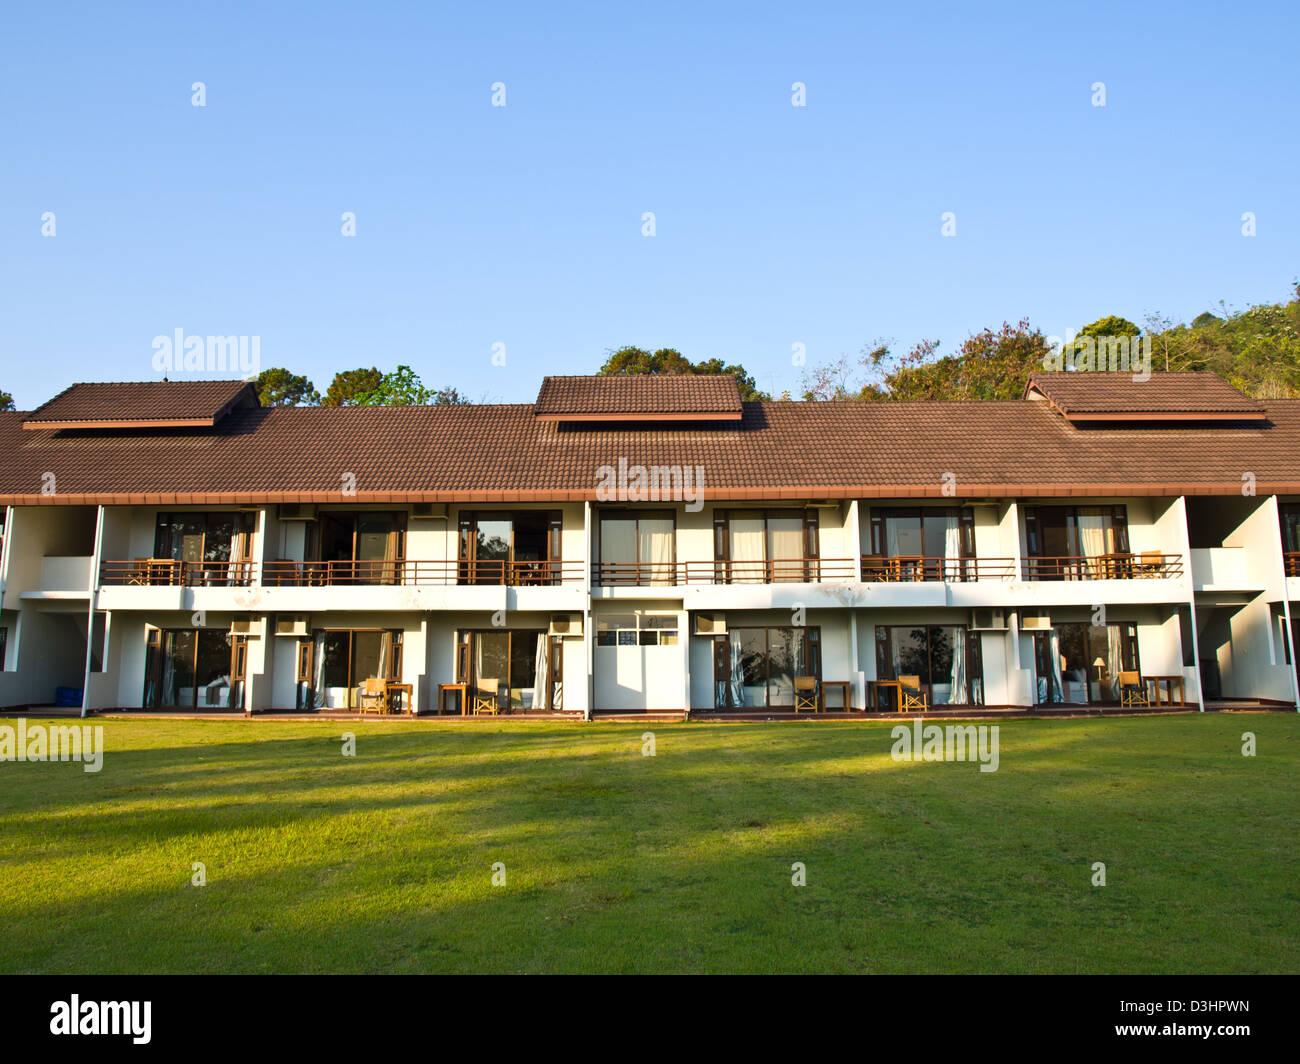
{"x": 1074, "y": 542}
{"x": 755, "y": 668}
{"x": 343, "y": 659}
{"x": 194, "y": 668}
{"x": 765, "y": 547}
{"x": 1080, "y": 663}
{"x": 216, "y": 549}
{"x": 364, "y": 547}
{"x": 921, "y": 543}
{"x": 522, "y": 667}
{"x": 520, "y": 547}
{"x": 637, "y": 548}
{"x": 945, "y": 657}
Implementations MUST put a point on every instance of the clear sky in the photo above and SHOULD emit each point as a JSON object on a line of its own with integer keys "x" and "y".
{"x": 479, "y": 225}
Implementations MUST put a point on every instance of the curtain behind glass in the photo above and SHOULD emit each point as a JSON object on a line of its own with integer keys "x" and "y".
{"x": 540, "y": 679}
{"x": 951, "y": 548}
{"x": 737, "y": 680}
{"x": 618, "y": 548}
{"x": 1114, "y": 662}
{"x": 318, "y": 672}
{"x": 1093, "y": 540}
{"x": 959, "y": 676}
{"x": 655, "y": 536}
{"x": 747, "y": 535}
{"x": 1057, "y": 693}
{"x": 785, "y": 543}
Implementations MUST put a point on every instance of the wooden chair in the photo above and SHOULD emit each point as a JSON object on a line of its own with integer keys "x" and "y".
{"x": 372, "y": 695}
{"x": 487, "y": 697}
{"x": 805, "y": 694}
{"x": 874, "y": 567}
{"x": 1151, "y": 563}
{"x": 1132, "y": 691}
{"x": 910, "y": 696}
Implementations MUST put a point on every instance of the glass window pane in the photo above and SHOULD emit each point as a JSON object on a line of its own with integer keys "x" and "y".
{"x": 617, "y": 541}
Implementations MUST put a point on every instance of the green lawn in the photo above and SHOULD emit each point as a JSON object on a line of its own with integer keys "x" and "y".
{"x": 617, "y": 862}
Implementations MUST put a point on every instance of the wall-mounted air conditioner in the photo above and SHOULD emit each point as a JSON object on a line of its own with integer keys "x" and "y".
{"x": 563, "y": 624}
{"x": 425, "y": 511}
{"x": 1035, "y": 622}
{"x": 248, "y": 626}
{"x": 296, "y": 511}
{"x": 710, "y": 624}
{"x": 291, "y": 626}
{"x": 988, "y": 620}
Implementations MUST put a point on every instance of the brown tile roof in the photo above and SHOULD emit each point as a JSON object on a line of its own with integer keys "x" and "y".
{"x": 790, "y": 450}
{"x": 1112, "y": 396}
{"x": 647, "y": 397}
{"x": 125, "y": 403}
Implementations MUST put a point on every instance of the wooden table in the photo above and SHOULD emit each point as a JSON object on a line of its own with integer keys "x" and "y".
{"x": 461, "y": 688}
{"x": 912, "y": 564}
{"x": 1153, "y": 684}
{"x": 843, "y": 685}
{"x": 391, "y": 689}
{"x": 873, "y": 693}
{"x": 1116, "y": 566}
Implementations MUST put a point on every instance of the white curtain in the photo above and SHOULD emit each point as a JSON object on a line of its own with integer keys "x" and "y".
{"x": 952, "y": 548}
{"x": 236, "y": 571}
{"x": 1113, "y": 660}
{"x": 539, "y": 675}
{"x": 1092, "y": 537}
{"x": 385, "y": 656}
{"x": 892, "y": 547}
{"x": 1057, "y": 692}
{"x": 737, "y": 680}
{"x": 960, "y": 674}
{"x": 318, "y": 673}
{"x": 618, "y": 548}
{"x": 656, "y": 548}
{"x": 785, "y": 549}
{"x": 747, "y": 550}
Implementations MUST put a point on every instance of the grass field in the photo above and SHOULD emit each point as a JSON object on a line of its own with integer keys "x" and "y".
{"x": 617, "y": 862}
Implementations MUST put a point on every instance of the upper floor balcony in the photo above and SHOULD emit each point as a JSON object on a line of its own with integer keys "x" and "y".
{"x": 722, "y": 571}
{"x": 411, "y": 572}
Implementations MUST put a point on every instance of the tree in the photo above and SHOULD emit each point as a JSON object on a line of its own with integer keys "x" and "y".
{"x": 403, "y": 387}
{"x": 350, "y": 385}
{"x": 6, "y": 401}
{"x": 669, "y": 361}
{"x": 279, "y": 387}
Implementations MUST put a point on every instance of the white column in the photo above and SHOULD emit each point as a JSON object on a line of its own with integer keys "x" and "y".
{"x": 91, "y": 591}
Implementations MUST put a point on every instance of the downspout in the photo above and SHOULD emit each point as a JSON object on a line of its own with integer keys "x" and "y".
{"x": 91, "y": 591}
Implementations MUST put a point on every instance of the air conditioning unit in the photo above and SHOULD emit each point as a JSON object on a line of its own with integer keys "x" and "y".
{"x": 710, "y": 624}
{"x": 296, "y": 511}
{"x": 1035, "y": 622}
{"x": 988, "y": 620}
{"x": 291, "y": 626}
{"x": 565, "y": 624}
{"x": 250, "y": 626}
{"x": 429, "y": 510}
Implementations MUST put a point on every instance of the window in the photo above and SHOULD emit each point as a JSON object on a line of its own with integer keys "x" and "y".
{"x": 757, "y": 546}
{"x": 4, "y": 649}
{"x": 357, "y": 548}
{"x": 638, "y": 548}
{"x": 632, "y": 629}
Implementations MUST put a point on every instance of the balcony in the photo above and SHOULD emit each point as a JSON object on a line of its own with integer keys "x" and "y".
{"x": 770, "y": 571}
{"x": 412, "y": 573}
{"x": 1292, "y": 561}
{"x": 170, "y": 572}
{"x": 1148, "y": 565}
{"x": 913, "y": 568}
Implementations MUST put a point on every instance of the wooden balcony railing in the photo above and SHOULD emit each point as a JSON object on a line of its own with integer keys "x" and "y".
{"x": 1292, "y": 561}
{"x": 769, "y": 571}
{"x": 410, "y": 572}
{"x": 1148, "y": 565}
{"x": 170, "y": 572}
{"x": 908, "y": 568}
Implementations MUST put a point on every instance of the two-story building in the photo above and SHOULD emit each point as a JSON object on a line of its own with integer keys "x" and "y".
{"x": 649, "y": 544}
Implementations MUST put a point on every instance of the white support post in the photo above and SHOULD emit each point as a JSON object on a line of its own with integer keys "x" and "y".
{"x": 91, "y": 591}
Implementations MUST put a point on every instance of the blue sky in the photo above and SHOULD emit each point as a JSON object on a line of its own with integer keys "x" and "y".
{"x": 478, "y": 225}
